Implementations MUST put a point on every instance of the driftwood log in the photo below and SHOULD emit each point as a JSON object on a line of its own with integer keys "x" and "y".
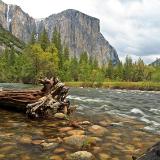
{"x": 39, "y": 103}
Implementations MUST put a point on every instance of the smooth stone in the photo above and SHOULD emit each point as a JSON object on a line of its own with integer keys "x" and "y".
{"x": 76, "y": 132}
{"x": 59, "y": 150}
{"x": 60, "y": 116}
{"x": 85, "y": 123}
{"x": 103, "y": 123}
{"x": 37, "y": 142}
{"x": 6, "y": 148}
{"x": 55, "y": 157}
{"x": 96, "y": 149}
{"x": 97, "y": 130}
{"x": 2, "y": 155}
{"x": 52, "y": 125}
{"x": 65, "y": 129}
{"x": 104, "y": 156}
{"x": 81, "y": 155}
{"x": 25, "y": 139}
{"x": 49, "y": 145}
{"x": 76, "y": 140}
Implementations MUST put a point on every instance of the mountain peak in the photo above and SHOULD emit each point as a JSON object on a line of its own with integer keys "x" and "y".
{"x": 79, "y": 31}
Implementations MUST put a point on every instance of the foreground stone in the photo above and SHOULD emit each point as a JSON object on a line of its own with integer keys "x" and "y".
{"x": 49, "y": 145}
{"x": 81, "y": 155}
{"x": 97, "y": 130}
{"x": 60, "y": 116}
{"x": 152, "y": 153}
{"x": 76, "y": 140}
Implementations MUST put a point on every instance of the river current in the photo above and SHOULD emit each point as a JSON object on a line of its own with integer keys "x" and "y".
{"x": 131, "y": 119}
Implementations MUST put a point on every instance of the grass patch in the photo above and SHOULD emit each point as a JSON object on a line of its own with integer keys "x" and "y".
{"x": 149, "y": 86}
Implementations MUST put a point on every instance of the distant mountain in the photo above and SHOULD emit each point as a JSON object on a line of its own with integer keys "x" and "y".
{"x": 156, "y": 63}
{"x": 79, "y": 31}
{"x": 10, "y": 41}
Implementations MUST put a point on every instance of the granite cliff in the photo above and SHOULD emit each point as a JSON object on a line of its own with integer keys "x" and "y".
{"x": 79, "y": 31}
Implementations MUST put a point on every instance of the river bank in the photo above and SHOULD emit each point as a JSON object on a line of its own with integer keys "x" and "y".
{"x": 144, "y": 86}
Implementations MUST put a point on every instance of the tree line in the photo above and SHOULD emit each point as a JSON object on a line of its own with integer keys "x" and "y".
{"x": 43, "y": 57}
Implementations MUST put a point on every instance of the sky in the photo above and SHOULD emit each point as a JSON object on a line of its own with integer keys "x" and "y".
{"x": 131, "y": 26}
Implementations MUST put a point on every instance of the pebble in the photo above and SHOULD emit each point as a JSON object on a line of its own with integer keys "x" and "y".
{"x": 81, "y": 155}
{"x": 37, "y": 142}
{"x": 65, "y": 129}
{"x": 49, "y": 145}
{"x": 55, "y": 157}
{"x": 75, "y": 132}
{"x": 60, "y": 116}
{"x": 25, "y": 139}
{"x": 59, "y": 150}
{"x": 104, "y": 156}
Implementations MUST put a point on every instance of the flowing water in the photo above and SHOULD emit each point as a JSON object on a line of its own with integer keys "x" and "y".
{"x": 131, "y": 120}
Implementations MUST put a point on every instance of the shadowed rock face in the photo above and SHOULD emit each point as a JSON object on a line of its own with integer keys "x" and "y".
{"x": 152, "y": 153}
{"x": 79, "y": 31}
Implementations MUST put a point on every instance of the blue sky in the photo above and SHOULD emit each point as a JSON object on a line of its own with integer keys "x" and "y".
{"x": 131, "y": 26}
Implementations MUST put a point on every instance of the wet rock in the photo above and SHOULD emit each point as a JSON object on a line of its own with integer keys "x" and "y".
{"x": 37, "y": 142}
{"x": 49, "y": 145}
{"x": 59, "y": 150}
{"x": 76, "y": 132}
{"x": 26, "y": 139}
{"x": 65, "y": 129}
{"x": 81, "y": 155}
{"x": 97, "y": 130}
{"x": 85, "y": 123}
{"x": 103, "y": 123}
{"x": 55, "y": 157}
{"x": 2, "y": 156}
{"x": 152, "y": 153}
{"x": 96, "y": 149}
{"x": 104, "y": 156}
{"x": 60, "y": 116}
{"x": 75, "y": 140}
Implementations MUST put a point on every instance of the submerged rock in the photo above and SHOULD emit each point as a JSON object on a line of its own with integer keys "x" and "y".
{"x": 75, "y": 140}
{"x": 97, "y": 130}
{"x": 76, "y": 132}
{"x": 65, "y": 129}
{"x": 81, "y": 155}
{"x": 49, "y": 145}
{"x": 55, "y": 157}
{"x": 25, "y": 139}
{"x": 60, "y": 116}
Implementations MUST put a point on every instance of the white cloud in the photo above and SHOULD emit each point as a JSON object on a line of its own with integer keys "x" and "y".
{"x": 131, "y": 26}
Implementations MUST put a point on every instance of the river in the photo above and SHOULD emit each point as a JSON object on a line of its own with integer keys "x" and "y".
{"x": 131, "y": 118}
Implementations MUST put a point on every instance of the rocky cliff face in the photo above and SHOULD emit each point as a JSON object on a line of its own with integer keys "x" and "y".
{"x": 79, "y": 31}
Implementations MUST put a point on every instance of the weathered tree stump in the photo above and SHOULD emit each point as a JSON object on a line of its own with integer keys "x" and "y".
{"x": 38, "y": 103}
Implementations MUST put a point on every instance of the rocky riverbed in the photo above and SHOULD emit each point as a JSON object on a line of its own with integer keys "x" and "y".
{"x": 74, "y": 139}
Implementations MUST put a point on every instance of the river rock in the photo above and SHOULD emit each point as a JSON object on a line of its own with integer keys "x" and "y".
{"x": 81, "y": 155}
{"x": 75, "y": 140}
{"x": 65, "y": 129}
{"x": 60, "y": 116}
{"x": 76, "y": 132}
{"x": 97, "y": 130}
{"x": 49, "y": 145}
{"x": 55, "y": 157}
{"x": 37, "y": 142}
{"x": 25, "y": 139}
{"x": 59, "y": 150}
{"x": 104, "y": 156}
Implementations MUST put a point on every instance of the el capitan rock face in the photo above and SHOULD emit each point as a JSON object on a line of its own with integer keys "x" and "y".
{"x": 79, "y": 31}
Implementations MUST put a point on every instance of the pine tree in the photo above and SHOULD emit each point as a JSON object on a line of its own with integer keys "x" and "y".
{"x": 43, "y": 40}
